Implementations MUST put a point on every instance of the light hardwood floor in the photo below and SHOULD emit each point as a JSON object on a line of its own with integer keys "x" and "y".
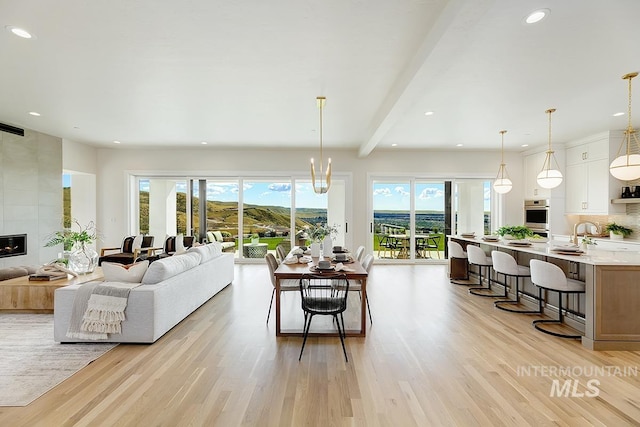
{"x": 435, "y": 355}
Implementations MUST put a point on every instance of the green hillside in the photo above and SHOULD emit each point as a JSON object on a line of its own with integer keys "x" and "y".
{"x": 224, "y": 216}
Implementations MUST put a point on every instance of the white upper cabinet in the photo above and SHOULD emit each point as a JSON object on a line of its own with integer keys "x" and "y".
{"x": 589, "y": 185}
{"x": 532, "y": 167}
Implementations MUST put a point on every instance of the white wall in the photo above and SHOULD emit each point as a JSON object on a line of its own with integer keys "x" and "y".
{"x": 114, "y": 165}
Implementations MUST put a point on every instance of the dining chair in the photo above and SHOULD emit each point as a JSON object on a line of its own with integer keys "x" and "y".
{"x": 326, "y": 295}
{"x": 281, "y": 252}
{"x": 359, "y": 253}
{"x": 285, "y": 284}
{"x": 356, "y": 284}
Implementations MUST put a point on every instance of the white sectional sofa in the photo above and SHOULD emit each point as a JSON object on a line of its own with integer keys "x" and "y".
{"x": 172, "y": 288}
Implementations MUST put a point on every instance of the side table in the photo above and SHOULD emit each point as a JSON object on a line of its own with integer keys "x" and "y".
{"x": 254, "y": 250}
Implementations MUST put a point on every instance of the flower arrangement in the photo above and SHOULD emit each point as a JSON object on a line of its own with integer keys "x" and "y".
{"x": 318, "y": 232}
{"x": 69, "y": 237}
{"x": 588, "y": 241}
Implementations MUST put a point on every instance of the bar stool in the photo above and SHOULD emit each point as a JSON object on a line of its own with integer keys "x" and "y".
{"x": 551, "y": 277}
{"x": 457, "y": 255}
{"x": 477, "y": 257}
{"x": 505, "y": 264}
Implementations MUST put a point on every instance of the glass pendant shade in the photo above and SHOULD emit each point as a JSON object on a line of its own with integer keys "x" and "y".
{"x": 626, "y": 167}
{"x": 549, "y": 177}
{"x": 502, "y": 183}
{"x": 325, "y": 180}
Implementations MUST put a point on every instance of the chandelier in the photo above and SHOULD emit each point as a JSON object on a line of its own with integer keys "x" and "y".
{"x": 626, "y": 167}
{"x": 325, "y": 181}
{"x": 502, "y": 184}
{"x": 548, "y": 177}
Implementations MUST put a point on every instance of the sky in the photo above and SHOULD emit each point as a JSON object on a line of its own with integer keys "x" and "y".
{"x": 272, "y": 193}
{"x": 430, "y": 196}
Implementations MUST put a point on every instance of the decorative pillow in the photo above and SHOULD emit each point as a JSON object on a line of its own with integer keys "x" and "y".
{"x": 137, "y": 243}
{"x": 208, "y": 251}
{"x": 180, "y": 249}
{"x": 166, "y": 268}
{"x": 218, "y": 236}
{"x": 131, "y": 273}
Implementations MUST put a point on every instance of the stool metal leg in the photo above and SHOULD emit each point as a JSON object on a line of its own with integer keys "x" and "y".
{"x": 477, "y": 291}
{"x": 537, "y": 323}
{"x": 498, "y": 304}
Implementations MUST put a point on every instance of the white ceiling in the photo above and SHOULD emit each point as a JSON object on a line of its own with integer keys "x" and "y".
{"x": 246, "y": 73}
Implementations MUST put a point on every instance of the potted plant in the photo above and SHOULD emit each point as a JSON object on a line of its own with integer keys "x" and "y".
{"x": 255, "y": 238}
{"x": 517, "y": 232}
{"x": 617, "y": 231}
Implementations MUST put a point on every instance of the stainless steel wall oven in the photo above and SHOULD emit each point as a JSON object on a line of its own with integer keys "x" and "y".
{"x": 536, "y": 216}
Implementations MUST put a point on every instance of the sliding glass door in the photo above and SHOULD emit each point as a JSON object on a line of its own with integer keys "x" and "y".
{"x": 412, "y": 216}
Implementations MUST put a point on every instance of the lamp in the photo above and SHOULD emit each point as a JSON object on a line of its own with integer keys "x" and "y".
{"x": 627, "y": 166}
{"x": 321, "y": 188}
{"x": 548, "y": 177}
{"x": 502, "y": 184}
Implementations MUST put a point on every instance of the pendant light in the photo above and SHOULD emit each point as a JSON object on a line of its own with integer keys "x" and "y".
{"x": 325, "y": 183}
{"x": 502, "y": 184}
{"x": 626, "y": 167}
{"x": 548, "y": 177}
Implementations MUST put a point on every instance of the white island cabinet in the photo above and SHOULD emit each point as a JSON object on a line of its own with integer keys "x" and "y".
{"x": 589, "y": 185}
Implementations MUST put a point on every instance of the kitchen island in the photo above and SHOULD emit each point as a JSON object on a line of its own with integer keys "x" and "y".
{"x": 609, "y": 312}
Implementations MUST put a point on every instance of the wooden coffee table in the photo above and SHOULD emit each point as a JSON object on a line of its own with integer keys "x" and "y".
{"x": 21, "y": 295}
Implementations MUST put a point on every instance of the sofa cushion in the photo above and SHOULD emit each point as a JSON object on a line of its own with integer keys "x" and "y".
{"x": 166, "y": 268}
{"x": 130, "y": 273}
{"x": 207, "y": 252}
{"x": 12, "y": 272}
{"x": 218, "y": 236}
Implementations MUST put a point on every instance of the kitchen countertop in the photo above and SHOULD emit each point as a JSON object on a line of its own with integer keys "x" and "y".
{"x": 591, "y": 256}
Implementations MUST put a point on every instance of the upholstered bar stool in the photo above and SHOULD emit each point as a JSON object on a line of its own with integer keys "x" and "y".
{"x": 458, "y": 264}
{"x": 478, "y": 258}
{"x": 551, "y": 277}
{"x": 505, "y": 264}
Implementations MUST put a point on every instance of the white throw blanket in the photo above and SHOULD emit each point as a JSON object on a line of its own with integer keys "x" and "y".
{"x": 98, "y": 310}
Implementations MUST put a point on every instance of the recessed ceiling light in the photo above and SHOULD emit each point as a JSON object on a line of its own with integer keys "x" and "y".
{"x": 524, "y": 145}
{"x": 618, "y": 114}
{"x": 536, "y": 16}
{"x": 459, "y": 145}
{"x": 116, "y": 142}
{"x": 394, "y": 145}
{"x": 204, "y": 143}
{"x": 429, "y": 113}
{"x": 33, "y": 113}
{"x": 20, "y": 32}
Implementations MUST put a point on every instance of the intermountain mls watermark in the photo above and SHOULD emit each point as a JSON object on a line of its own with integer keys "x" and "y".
{"x": 573, "y": 387}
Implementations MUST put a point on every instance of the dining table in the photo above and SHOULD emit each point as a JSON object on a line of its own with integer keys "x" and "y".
{"x": 354, "y": 271}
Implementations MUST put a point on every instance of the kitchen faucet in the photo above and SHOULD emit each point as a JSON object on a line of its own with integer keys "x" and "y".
{"x": 578, "y": 224}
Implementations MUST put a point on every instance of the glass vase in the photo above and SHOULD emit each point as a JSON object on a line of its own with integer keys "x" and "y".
{"x": 83, "y": 260}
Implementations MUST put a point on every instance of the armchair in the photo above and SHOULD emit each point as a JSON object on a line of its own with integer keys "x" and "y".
{"x": 172, "y": 246}
{"x": 228, "y": 242}
{"x": 130, "y": 251}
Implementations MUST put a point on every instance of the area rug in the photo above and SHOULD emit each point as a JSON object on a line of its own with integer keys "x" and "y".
{"x": 32, "y": 363}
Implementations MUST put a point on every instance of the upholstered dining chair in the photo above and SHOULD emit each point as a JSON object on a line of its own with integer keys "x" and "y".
{"x": 281, "y": 253}
{"x": 359, "y": 253}
{"x": 356, "y": 285}
{"x": 285, "y": 285}
{"x": 132, "y": 249}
